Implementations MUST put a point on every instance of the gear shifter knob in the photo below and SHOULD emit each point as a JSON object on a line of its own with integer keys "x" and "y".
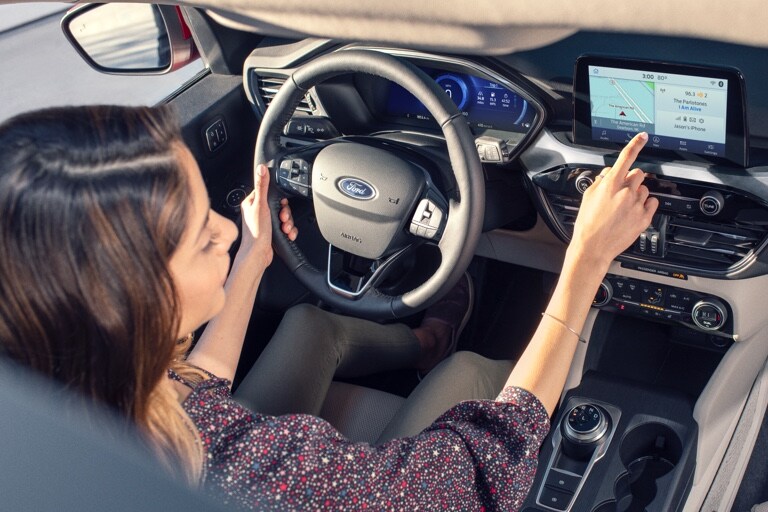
{"x": 583, "y": 428}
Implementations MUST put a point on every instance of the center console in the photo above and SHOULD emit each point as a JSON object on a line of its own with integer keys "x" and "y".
{"x": 637, "y": 457}
{"x": 625, "y": 439}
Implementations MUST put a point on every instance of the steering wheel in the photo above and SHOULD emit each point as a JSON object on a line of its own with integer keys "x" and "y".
{"x": 371, "y": 201}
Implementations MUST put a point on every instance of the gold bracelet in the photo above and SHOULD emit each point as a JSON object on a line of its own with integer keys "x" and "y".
{"x": 564, "y": 325}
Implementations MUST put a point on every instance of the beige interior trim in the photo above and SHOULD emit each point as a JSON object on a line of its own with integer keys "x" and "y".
{"x": 491, "y": 27}
{"x": 725, "y": 486}
{"x": 536, "y": 248}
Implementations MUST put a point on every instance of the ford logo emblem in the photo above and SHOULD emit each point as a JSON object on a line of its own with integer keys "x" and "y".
{"x": 356, "y": 188}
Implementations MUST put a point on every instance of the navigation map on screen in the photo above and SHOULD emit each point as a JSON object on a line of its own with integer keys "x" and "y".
{"x": 679, "y": 112}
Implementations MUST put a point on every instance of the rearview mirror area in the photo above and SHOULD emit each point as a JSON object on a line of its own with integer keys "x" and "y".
{"x": 138, "y": 39}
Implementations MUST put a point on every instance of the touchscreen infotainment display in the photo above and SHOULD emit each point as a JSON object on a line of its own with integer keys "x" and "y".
{"x": 684, "y": 109}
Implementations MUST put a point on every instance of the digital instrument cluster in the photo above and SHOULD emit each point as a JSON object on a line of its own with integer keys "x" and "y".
{"x": 487, "y": 105}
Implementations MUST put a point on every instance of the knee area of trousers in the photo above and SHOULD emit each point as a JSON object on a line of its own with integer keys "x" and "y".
{"x": 302, "y": 313}
{"x": 313, "y": 321}
{"x": 464, "y": 359}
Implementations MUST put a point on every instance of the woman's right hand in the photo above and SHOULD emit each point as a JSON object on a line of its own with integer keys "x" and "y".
{"x": 615, "y": 209}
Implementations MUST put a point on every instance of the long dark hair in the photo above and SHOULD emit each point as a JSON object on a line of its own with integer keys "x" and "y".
{"x": 93, "y": 204}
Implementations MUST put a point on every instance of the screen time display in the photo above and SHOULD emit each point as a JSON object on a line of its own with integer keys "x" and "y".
{"x": 485, "y": 104}
{"x": 680, "y": 112}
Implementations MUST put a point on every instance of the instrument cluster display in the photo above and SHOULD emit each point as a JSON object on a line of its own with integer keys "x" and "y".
{"x": 487, "y": 105}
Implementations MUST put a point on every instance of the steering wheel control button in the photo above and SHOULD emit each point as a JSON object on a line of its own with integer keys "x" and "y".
{"x": 293, "y": 176}
{"x": 555, "y": 498}
{"x": 491, "y": 149}
{"x": 712, "y": 203}
{"x": 709, "y": 314}
{"x": 427, "y": 220}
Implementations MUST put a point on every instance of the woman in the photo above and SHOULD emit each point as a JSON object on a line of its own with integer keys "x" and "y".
{"x": 110, "y": 253}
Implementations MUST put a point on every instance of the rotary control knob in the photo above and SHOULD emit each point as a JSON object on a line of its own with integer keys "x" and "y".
{"x": 710, "y": 314}
{"x": 604, "y": 294}
{"x": 711, "y": 203}
{"x": 583, "y": 427}
{"x": 584, "y": 181}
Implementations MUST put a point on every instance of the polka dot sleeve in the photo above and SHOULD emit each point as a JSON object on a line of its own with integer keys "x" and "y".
{"x": 479, "y": 455}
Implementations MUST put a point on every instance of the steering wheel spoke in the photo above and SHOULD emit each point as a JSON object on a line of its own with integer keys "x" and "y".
{"x": 353, "y": 276}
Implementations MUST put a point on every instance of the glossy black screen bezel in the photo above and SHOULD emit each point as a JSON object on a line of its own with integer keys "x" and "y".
{"x": 736, "y": 132}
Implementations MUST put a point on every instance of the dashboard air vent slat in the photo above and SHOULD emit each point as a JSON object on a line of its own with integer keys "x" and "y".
{"x": 566, "y": 209}
{"x": 268, "y": 87}
{"x": 711, "y": 244}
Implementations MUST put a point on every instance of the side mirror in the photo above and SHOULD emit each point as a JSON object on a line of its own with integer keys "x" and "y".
{"x": 130, "y": 39}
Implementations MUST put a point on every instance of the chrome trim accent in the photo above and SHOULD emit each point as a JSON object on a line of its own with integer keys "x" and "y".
{"x": 717, "y": 197}
{"x": 341, "y": 186}
{"x": 377, "y": 268}
{"x": 719, "y": 306}
{"x": 591, "y": 436}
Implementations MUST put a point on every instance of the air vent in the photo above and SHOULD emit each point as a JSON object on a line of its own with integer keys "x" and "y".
{"x": 711, "y": 245}
{"x": 565, "y": 209}
{"x": 706, "y": 245}
{"x": 268, "y": 87}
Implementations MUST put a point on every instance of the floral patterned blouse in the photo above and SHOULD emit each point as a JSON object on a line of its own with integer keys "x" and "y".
{"x": 480, "y": 455}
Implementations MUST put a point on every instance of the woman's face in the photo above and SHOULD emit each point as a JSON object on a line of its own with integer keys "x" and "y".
{"x": 200, "y": 264}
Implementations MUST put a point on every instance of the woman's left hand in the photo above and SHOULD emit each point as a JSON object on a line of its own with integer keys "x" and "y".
{"x": 257, "y": 226}
{"x": 286, "y": 221}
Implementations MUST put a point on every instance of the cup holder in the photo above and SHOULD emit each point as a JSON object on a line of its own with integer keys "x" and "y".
{"x": 648, "y": 452}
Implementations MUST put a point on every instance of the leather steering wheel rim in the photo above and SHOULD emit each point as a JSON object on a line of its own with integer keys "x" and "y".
{"x": 465, "y": 212}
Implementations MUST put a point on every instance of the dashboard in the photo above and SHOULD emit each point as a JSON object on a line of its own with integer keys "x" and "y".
{"x": 712, "y": 222}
